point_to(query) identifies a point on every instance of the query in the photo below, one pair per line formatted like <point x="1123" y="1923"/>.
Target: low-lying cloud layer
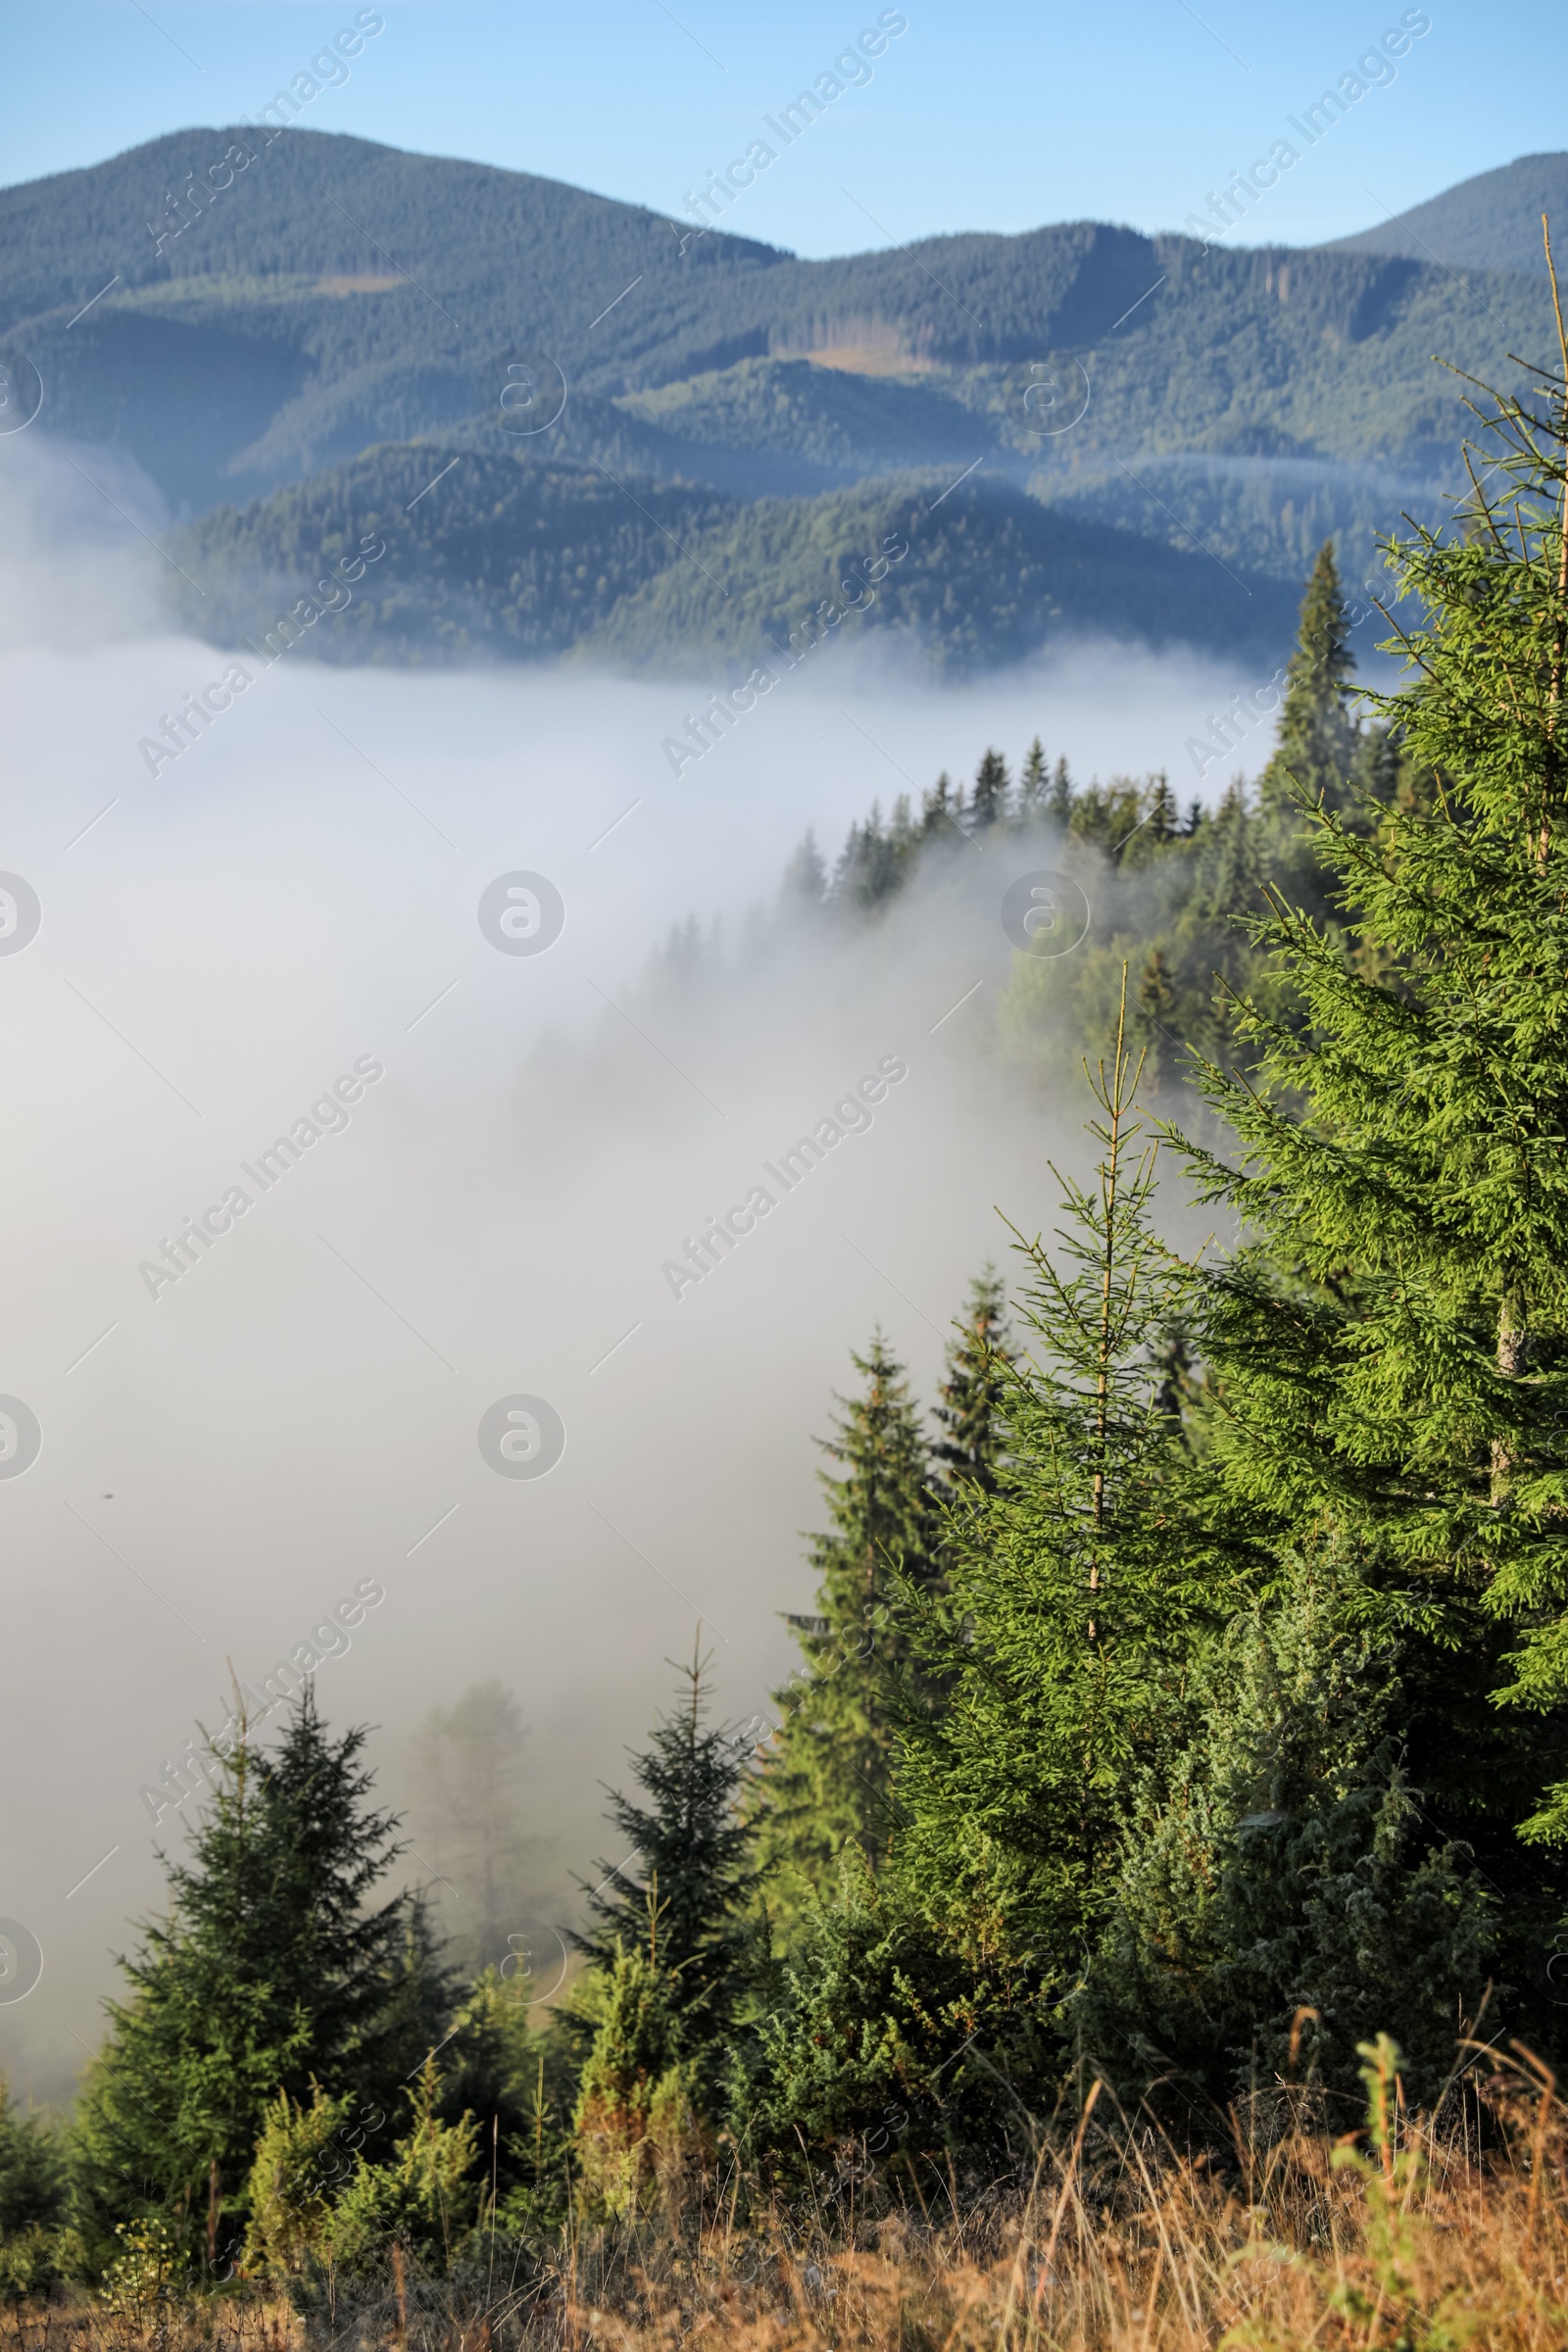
<point x="398" y="1174"/>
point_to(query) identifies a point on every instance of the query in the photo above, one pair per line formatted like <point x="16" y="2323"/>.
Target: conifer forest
<point x="1184" y="1712"/>
<point x="1136" y="1917"/>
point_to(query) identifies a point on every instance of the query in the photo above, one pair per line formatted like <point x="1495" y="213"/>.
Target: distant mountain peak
<point x="1491" y="222"/>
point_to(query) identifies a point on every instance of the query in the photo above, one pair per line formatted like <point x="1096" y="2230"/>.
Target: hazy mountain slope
<point x="1266" y="514"/>
<point x="458" y="227"/>
<point x="1491" y="222"/>
<point x="842" y="424"/>
<point x="333" y="296"/>
<point x="513" y="560"/>
<point x="287" y="293"/>
<point x="989" y="576"/>
<point x="498" y="558"/>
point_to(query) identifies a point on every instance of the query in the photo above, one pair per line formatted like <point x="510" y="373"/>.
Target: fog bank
<point x="294" y="902"/>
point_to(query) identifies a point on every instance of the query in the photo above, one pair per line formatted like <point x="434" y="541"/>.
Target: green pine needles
<point x="1059" y="1632"/>
<point x="827" y="1775"/>
<point x="1389" y="1339"/>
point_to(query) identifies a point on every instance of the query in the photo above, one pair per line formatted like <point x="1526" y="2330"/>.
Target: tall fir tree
<point x="1319" y="743"/>
<point x="1232" y="860"/>
<point x="274" y="1968"/>
<point x="805" y="883"/>
<point x="871" y="862"/>
<point x="1061" y="794"/>
<point x="826" y="1776"/>
<point x="420" y="1989"/>
<point x="967" y="1451"/>
<point x="1155" y="1012"/>
<point x="680" y="1893"/>
<point x="1391" y="1341"/>
<point x="1034" y="784"/>
<point x="470" y="1762"/>
<point x="992" y="792"/>
<point x="1074" y="1591"/>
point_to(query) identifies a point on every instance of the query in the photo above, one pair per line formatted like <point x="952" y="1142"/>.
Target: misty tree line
<point x="1184" y="1705"/>
<point x="1173" y="888"/>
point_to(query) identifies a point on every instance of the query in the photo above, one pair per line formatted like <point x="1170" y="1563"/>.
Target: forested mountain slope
<point x="241" y="312"/>
<point x="491" y="559"/>
<point x="1491" y="222"/>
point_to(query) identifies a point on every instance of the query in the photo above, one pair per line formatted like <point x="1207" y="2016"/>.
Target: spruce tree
<point x="681" y="1896"/>
<point x="970" y="1412"/>
<point x="634" y="2098"/>
<point x="33" y="2174"/>
<point x="1074" y="1591"/>
<point x="38" y="2247"/>
<point x="470" y="1761"/>
<point x="507" y="2065"/>
<point x="1279" y="1888"/>
<point x="935" y="805"/>
<point x="1033" y="785"/>
<point x="425" y="2194"/>
<point x="1319" y="742"/>
<point x="826" y="1776"/>
<point x="419" y="1990"/>
<point x="1390" y="1340"/>
<point x="272" y="1969"/>
<point x="871" y="864"/>
<point x="1233" y="857"/>
<point x="991" y="792"/>
<point x="1156" y="1012"/>
<point x="805" y="884"/>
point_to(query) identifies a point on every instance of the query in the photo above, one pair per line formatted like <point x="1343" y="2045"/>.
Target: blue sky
<point x="995" y="115"/>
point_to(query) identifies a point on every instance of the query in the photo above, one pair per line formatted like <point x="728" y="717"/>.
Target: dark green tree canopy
<point x="828" y="1774"/>
<point x="272" y="1969"/>
<point x="678" y="1892"/>
<point x="968" y="1413"/>
<point x="1319" y="742"/>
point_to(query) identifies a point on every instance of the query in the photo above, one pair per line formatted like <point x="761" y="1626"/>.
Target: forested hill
<point x="504" y="561"/>
<point x="264" y="309"/>
<point x="1491" y="222"/>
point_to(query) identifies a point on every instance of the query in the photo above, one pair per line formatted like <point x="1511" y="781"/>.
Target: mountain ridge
<point x="1491" y="220"/>
<point x="510" y="560"/>
<point x="329" y="295"/>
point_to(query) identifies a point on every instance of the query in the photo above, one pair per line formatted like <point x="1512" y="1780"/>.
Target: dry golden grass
<point x="258" y="2323"/>
<point x="1400" y="2239"/>
<point x="1408" y="2236"/>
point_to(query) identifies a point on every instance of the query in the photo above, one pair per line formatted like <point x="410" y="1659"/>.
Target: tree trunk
<point x="1513" y="1350"/>
<point x="214" y="2207"/>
